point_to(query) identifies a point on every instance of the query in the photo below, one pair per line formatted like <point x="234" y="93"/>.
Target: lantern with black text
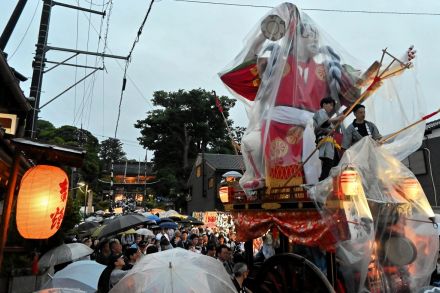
<point x="41" y="201"/>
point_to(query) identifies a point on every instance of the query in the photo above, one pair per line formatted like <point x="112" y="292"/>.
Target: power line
<point x="128" y="63"/>
<point x="317" y="9"/>
<point x="25" y="33"/>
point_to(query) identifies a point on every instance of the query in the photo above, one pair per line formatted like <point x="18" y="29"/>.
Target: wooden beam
<point x="7" y="207"/>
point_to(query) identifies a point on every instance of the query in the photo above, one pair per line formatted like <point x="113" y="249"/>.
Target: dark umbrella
<point x="163" y="220"/>
<point x="194" y="221"/>
<point x="122" y="223"/>
<point x="168" y="225"/>
<point x="86" y="226"/>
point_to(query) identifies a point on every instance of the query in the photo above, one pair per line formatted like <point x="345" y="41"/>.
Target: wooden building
<point x="205" y="179"/>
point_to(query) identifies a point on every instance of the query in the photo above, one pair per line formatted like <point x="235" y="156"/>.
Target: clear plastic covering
<point x="176" y="270"/>
<point x="390" y="242"/>
<point x="287" y="66"/>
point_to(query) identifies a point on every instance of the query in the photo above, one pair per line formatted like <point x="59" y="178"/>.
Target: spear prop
<point x="426" y="117"/>
<point x="375" y="84"/>
<point x="220" y="109"/>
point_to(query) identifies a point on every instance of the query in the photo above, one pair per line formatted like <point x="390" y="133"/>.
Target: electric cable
<point x="316" y="9"/>
<point x="25" y="33"/>
<point x="124" y="81"/>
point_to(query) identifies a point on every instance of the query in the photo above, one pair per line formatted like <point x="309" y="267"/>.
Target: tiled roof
<point x="225" y="162"/>
<point x="433" y="125"/>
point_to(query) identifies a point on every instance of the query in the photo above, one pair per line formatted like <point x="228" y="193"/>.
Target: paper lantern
<point x="411" y="188"/>
<point x="224" y="194"/>
<point x="349" y="184"/>
<point x="41" y="202"/>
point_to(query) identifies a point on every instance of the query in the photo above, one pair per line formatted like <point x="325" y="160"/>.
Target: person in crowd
<point x="359" y="128"/>
<point x="112" y="273"/>
<point x="143" y="247"/>
<point x="151" y="248"/>
<point x="183" y="243"/>
<point x="104" y="252"/>
<point x="115" y="246"/>
<point x="224" y="256"/>
<point x="323" y="124"/>
<point x="210" y="250"/>
<point x="240" y="273"/>
<point x="162" y="233"/>
<point x="132" y="255"/>
<point x="194" y="240"/>
<point x="221" y="240"/>
<point x="165" y="244"/>
<point x="192" y="247"/>
<point x="176" y="238"/>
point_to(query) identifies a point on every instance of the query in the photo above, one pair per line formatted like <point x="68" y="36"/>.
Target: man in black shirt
<point x="359" y="128"/>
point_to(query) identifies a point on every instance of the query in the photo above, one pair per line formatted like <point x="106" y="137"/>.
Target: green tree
<point x="111" y="150"/>
<point x="184" y="124"/>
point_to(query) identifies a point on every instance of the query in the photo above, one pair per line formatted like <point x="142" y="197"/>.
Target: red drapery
<point x="302" y="227"/>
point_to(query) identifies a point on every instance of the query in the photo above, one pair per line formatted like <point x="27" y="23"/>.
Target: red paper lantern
<point x="41" y="201"/>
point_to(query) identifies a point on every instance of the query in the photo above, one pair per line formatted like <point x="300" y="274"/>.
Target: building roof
<point x="433" y="125"/>
<point x="224" y="162"/>
<point x="132" y="168"/>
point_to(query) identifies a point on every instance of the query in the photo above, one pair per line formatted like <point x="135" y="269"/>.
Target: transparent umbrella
<point x="60" y="290"/>
<point x="83" y="275"/>
<point x="145" y="232"/>
<point x="176" y="270"/>
<point x="64" y="253"/>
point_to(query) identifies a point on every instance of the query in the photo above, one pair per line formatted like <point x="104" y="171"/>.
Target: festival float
<point x="368" y="227"/>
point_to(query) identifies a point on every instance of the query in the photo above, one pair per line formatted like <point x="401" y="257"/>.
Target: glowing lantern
<point x="224" y="194"/>
<point x="41" y="202"/>
<point x="411" y="188"/>
<point x="348" y="180"/>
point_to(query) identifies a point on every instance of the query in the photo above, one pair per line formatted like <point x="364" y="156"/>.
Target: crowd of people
<point x="121" y="253"/>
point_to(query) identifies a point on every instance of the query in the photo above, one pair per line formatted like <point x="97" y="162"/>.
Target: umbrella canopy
<point x="171" y="213"/>
<point x="64" y="253"/>
<point x="176" y="270"/>
<point x="168" y="225"/>
<point x="97" y="231"/>
<point x="94" y="219"/>
<point x="162" y="220"/>
<point x="86" y="226"/>
<point x="194" y="221"/>
<point x="156" y="211"/>
<point x="83" y="275"/>
<point x="129" y="231"/>
<point x="122" y="223"/>
<point x="60" y="290"/>
<point x="234" y="174"/>
<point x="145" y="232"/>
<point x="151" y="217"/>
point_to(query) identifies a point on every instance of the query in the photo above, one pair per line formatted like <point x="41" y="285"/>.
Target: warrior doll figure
<point x="284" y="73"/>
<point x="286" y="68"/>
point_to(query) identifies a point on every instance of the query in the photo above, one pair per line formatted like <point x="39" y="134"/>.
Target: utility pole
<point x="9" y="28"/>
<point x="38" y="65"/>
<point x="40" y="59"/>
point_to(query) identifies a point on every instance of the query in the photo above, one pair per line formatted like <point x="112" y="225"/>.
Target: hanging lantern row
<point x="41" y="201"/>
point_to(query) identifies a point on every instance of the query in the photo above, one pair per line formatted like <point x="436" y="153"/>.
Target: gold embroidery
<point x="278" y="148"/>
<point x="320" y="72"/>
<point x="254" y="70"/>
<point x="294" y="134"/>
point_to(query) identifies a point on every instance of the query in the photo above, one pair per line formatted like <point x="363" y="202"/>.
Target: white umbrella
<point x="176" y="270"/>
<point x="234" y="174"/>
<point x="64" y="253"/>
<point x="83" y="275"/>
<point x="145" y="232"/>
<point x="60" y="290"/>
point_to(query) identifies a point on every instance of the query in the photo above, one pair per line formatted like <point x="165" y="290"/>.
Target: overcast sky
<point x="184" y="45"/>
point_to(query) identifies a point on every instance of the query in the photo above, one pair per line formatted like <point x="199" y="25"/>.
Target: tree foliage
<point x="110" y="150"/>
<point x="184" y="124"/>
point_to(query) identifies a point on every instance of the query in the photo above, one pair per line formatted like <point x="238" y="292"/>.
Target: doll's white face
<point x="308" y="42"/>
